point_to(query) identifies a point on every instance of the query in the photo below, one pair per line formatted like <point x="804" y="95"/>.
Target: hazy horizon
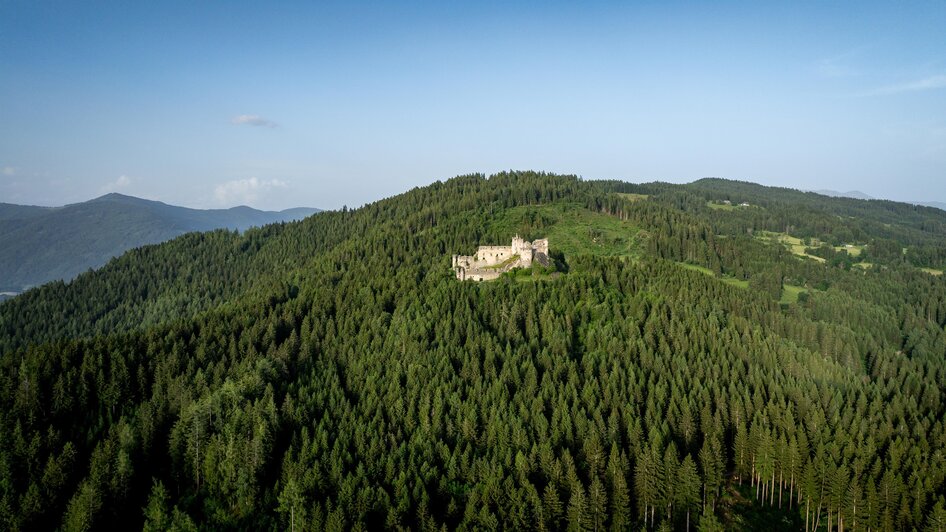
<point x="828" y="192"/>
<point x="212" y="106"/>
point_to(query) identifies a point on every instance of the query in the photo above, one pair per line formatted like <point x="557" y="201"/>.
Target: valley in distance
<point x="42" y="244"/>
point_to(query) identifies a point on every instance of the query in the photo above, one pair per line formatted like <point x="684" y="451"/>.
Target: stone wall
<point x="490" y="262"/>
<point x="489" y="255"/>
<point x="541" y="249"/>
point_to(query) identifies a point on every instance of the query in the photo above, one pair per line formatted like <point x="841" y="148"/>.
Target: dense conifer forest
<point x="688" y="362"/>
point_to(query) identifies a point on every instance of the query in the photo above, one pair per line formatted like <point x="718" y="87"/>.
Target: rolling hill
<point x="780" y="365"/>
<point x="41" y="244"/>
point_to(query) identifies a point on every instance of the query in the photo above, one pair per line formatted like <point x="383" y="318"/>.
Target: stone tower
<point x="490" y="262"/>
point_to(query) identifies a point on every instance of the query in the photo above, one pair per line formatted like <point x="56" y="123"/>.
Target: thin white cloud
<point x="9" y="171"/>
<point x="244" y="191"/>
<point x="837" y="66"/>
<point x="123" y="182"/>
<point x="925" y="84"/>
<point x="253" y="120"/>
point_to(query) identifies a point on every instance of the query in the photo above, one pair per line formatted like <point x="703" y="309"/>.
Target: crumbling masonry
<point x="490" y="262"/>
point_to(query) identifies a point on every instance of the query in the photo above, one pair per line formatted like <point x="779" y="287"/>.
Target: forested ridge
<point x="682" y="368"/>
<point x="41" y="244"/>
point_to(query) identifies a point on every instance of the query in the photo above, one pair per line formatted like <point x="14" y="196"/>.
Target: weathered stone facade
<point x="490" y="262"/>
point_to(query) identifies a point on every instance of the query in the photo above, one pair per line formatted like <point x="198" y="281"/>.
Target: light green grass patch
<point x="864" y="265"/>
<point x="732" y="281"/>
<point x="696" y="268"/>
<point x="571" y="229"/>
<point x="794" y="244"/>
<point x="932" y="271"/>
<point x="790" y="294"/>
<point x="854" y="251"/>
<point x="632" y="197"/>
<point x="720" y="206"/>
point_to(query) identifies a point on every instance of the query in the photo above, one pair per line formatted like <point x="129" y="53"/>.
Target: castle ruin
<point x="490" y="262"/>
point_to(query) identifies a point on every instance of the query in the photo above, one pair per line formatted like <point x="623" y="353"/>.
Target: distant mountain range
<point x="857" y="194"/>
<point x="936" y="204"/>
<point x="42" y="244"/>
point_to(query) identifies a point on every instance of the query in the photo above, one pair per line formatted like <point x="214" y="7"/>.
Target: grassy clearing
<point x="864" y="265"/>
<point x="793" y="244"/>
<point x="790" y="294"/>
<point x="720" y="206"/>
<point x="853" y="250"/>
<point x="632" y="197"/>
<point x="797" y="247"/>
<point x="696" y="268"/>
<point x="739" y="283"/>
<point x="571" y="229"/>
<point x="932" y="271"/>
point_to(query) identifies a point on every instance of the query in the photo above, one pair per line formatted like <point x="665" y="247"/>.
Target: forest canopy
<point x="688" y="366"/>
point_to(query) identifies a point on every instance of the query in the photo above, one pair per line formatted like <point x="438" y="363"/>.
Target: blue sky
<point x="215" y="104"/>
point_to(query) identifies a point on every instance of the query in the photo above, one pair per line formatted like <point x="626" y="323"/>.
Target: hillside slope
<point x="683" y="366"/>
<point x="40" y="244"/>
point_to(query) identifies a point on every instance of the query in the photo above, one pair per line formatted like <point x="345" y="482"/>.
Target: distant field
<point x="854" y="250"/>
<point x="633" y="197"/>
<point x="797" y="247"/>
<point x="739" y="283"/>
<point x="571" y="229"/>
<point x="720" y="206"/>
<point x="932" y="271"/>
<point x="794" y="244"/>
<point x="789" y="292"/>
